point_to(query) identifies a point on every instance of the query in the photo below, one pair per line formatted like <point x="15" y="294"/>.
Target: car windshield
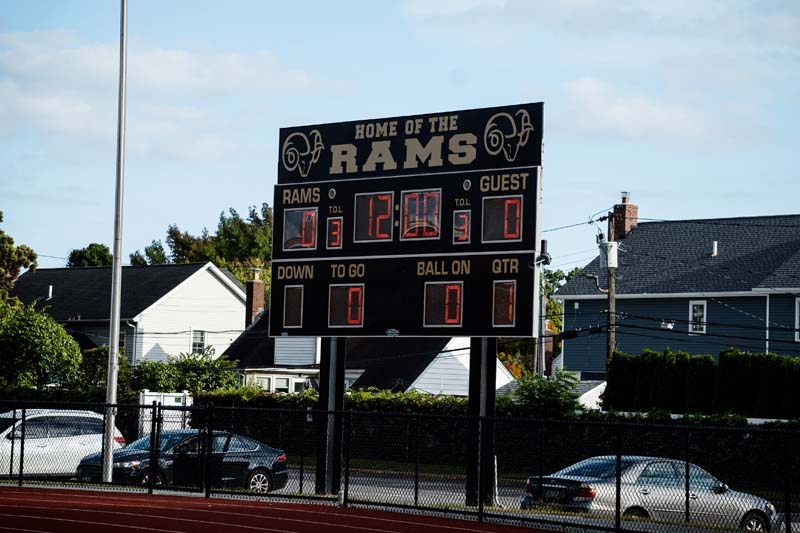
<point x="601" y="468"/>
<point x="166" y="442"/>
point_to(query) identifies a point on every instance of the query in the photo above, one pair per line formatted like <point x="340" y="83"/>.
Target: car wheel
<point x="636" y="513"/>
<point x="259" y="481"/>
<point x="755" y="521"/>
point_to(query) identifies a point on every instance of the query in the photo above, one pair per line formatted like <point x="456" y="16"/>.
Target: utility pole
<point x="611" y="265"/>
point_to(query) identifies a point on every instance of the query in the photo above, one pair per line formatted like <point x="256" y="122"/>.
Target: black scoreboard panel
<point x="486" y="295"/>
<point x="431" y="214"/>
<point x="412" y="226"/>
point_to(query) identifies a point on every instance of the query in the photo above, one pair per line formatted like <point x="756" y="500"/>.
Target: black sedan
<point x="236" y="461"/>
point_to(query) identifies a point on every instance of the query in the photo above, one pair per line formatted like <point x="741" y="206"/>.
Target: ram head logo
<point x="502" y="133"/>
<point x="300" y="153"/>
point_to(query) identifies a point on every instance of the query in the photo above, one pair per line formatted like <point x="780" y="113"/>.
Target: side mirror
<point x="721" y="488"/>
<point x="14" y="435"/>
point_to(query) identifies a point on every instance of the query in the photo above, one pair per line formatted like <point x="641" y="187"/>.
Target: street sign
<point x="409" y="226"/>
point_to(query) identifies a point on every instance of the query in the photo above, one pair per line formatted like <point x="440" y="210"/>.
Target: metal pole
<point x="333" y="388"/>
<point x="612" y="300"/>
<point x="116" y="271"/>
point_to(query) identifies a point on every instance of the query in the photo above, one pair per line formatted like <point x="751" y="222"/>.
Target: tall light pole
<point x="116" y="270"/>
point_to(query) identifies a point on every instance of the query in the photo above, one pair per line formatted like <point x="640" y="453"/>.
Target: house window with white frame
<point x="697" y="317"/>
<point x="282" y="385"/>
<point x="198" y="341"/>
<point x="265" y="383"/>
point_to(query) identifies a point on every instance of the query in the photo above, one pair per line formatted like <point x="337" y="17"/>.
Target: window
<point x="35" y="428"/>
<point x="240" y="444"/>
<point x="699" y="478"/>
<point x="697" y="316"/>
<point x="797" y="320"/>
<point x="661" y="474"/>
<point x="300" y="386"/>
<point x="282" y="385"/>
<point x="198" y="341"/>
<point x="264" y="383"/>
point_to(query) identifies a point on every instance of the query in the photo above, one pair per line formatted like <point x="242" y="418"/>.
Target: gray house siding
<point x="731" y="322"/>
<point x="783" y="320"/>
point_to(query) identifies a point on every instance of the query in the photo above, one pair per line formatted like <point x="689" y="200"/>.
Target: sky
<point x="690" y="105"/>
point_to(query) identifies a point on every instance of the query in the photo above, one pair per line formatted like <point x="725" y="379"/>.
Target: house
<point x="698" y="286"/>
<point x="165" y="309"/>
<point x="291" y="364"/>
<point x="282" y="364"/>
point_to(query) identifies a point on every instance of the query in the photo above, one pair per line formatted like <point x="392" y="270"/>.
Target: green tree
<point x="240" y="245"/>
<point x="553" y="397"/>
<point x="35" y="350"/>
<point x="13" y="259"/>
<point x="94" y="371"/>
<point x="154" y="254"/>
<point x="94" y="255"/>
<point x="203" y="372"/>
<point x="157" y="376"/>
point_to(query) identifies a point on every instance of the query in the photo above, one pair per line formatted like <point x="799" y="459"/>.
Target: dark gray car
<point x="651" y="487"/>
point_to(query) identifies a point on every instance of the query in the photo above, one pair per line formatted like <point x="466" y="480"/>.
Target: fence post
<point x="348" y="420"/>
<point x="303" y="440"/>
<point x="481" y="487"/>
<point x="209" y="448"/>
<point x="787" y="476"/>
<point x="686" y="476"/>
<point x="13" y="443"/>
<point x="152" y="467"/>
<point x="415" y="423"/>
<point x="22" y="447"/>
<point x="618" y="475"/>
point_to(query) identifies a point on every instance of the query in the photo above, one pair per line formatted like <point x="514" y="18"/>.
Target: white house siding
<point x="294" y="351"/>
<point x="202" y="302"/>
<point x="448" y="373"/>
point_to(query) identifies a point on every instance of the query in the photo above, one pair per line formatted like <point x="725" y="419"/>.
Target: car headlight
<point x="770" y="508"/>
<point x="128" y="464"/>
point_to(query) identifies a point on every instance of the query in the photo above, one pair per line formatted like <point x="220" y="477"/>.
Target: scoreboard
<point x="410" y="226"/>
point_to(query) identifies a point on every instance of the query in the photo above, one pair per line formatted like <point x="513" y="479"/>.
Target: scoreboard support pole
<point x="481" y="410"/>
<point x="331" y="400"/>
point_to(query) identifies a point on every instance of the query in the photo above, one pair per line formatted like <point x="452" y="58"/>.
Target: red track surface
<point x="80" y="511"/>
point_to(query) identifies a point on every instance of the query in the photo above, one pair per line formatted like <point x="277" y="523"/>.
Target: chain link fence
<point x="567" y="475"/>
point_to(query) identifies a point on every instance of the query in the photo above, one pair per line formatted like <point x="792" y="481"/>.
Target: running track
<point x="36" y="510"/>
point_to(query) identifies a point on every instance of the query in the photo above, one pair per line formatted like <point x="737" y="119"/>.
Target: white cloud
<point x="597" y="106"/>
<point x="57" y="82"/>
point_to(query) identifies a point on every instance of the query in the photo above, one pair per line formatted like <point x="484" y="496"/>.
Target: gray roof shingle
<point x="85" y="293"/>
<point x="675" y="257"/>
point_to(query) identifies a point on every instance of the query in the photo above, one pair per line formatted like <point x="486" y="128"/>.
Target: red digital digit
<point x="431" y="203"/>
<point x="335" y="232"/>
<point x="461" y="227"/>
<point x="410" y="230"/>
<point x="308" y="227"/>
<point x="387" y="198"/>
<point x="354" y="301"/>
<point x="511" y="223"/>
<point x="452" y="309"/>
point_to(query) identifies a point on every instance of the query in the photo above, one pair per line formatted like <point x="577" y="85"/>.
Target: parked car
<point x="236" y="461"/>
<point x="55" y="441"/>
<point x="651" y="488"/>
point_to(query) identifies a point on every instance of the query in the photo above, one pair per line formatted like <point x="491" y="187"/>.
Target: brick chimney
<point x="254" y="299"/>
<point x="626" y="217"/>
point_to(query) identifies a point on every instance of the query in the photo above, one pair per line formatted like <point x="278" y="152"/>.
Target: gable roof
<point x="391" y="363"/>
<point x="754" y="253"/>
<point x="253" y="348"/>
<point x="85" y="293"/>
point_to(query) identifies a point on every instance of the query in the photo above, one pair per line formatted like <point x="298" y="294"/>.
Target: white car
<point x="55" y="441"/>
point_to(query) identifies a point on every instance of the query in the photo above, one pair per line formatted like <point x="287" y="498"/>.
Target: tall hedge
<point x="755" y="385"/>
